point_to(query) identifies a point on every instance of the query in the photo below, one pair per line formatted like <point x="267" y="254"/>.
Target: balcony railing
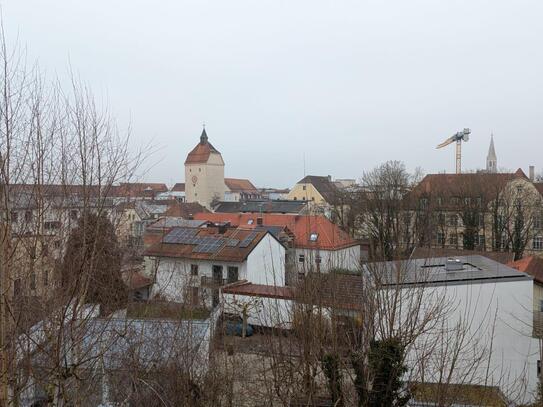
<point x="212" y="282"/>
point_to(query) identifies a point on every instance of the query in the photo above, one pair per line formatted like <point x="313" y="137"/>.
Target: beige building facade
<point x="204" y="174"/>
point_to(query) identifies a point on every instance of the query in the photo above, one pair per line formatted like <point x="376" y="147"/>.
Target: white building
<point x="482" y="322"/>
<point x="188" y="265"/>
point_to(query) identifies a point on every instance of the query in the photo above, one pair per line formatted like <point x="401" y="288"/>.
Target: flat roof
<point x="475" y="268"/>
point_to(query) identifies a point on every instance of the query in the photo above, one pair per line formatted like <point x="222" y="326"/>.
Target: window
<point x="295" y="198"/>
<point x="482" y="240"/>
<point x="455" y="200"/>
<point x="74" y="214"/>
<point x="318" y="259"/>
<point x="539" y="368"/>
<point x="193" y="269"/>
<point x="453" y="220"/>
<point x="45" y="277"/>
<point x="28" y="216"/>
<point x="541" y="305"/>
<point x="439" y="201"/>
<point x="250" y="221"/>
<point x="33" y="280"/>
<point x="441" y="218"/>
<point x="453" y="239"/>
<point x="313" y="237"/>
<point x="194" y="296"/>
<point x="440" y="238"/>
<point x="519" y="189"/>
<point x="54" y="225"/>
<point x="301" y="258"/>
<point x="467" y="201"/>
<point x="537" y="243"/>
<point x="423" y="203"/>
<point x="479" y="202"/>
<point x="14" y="217"/>
<point x="303" y="187"/>
<point x="232" y="275"/>
<point x="538" y="222"/>
<point x="17" y="287"/>
<point x="481" y="219"/>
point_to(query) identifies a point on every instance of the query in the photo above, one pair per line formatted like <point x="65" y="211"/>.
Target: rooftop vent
<point x="454" y="265"/>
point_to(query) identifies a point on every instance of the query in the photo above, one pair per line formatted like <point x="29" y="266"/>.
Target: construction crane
<point x="458" y="137"/>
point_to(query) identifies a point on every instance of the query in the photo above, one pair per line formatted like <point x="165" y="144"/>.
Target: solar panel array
<point x="206" y="244"/>
<point x="180" y="235"/>
<point x="248" y="240"/>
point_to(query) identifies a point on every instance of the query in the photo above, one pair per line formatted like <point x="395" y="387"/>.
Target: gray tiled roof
<point x="262" y="206"/>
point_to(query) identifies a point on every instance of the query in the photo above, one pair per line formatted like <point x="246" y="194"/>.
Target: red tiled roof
<point x="137" y="189"/>
<point x="184" y="210"/>
<point x="200" y="154"/>
<point x="539" y="187"/>
<point x="179" y="187"/>
<point x="224" y="253"/>
<point x="459" y="184"/>
<point x="135" y="280"/>
<point x="259" y="290"/>
<point x="239" y="185"/>
<point x="532" y="265"/>
<point x="330" y="236"/>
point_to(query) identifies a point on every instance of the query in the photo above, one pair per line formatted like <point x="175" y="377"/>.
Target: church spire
<point x="203" y="137"/>
<point x="491" y="158"/>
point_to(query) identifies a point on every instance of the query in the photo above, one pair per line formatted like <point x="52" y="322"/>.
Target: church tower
<point x="491" y="159"/>
<point x="204" y="173"/>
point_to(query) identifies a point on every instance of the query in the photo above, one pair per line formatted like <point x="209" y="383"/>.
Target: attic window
<point x="313" y="237"/>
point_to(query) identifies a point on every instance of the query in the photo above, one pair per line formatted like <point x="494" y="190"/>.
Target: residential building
<point x="175" y="192"/>
<point x="316" y="189"/>
<point x="478" y="211"/>
<point x="274" y="194"/>
<point x="188" y="265"/>
<point x="316" y="244"/>
<point x="240" y="190"/>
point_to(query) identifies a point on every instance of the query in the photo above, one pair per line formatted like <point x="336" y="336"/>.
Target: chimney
<point x="532" y="173"/>
<point x="453" y="265"/>
<point x="223" y="227"/>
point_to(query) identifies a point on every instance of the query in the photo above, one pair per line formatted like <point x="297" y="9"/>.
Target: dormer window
<point x="313" y="237"/>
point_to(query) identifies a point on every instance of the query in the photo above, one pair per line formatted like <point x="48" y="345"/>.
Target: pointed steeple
<point x="491" y="158"/>
<point x="203" y="137"/>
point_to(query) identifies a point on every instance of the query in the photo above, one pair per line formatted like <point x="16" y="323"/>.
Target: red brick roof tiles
<point x="330" y="236"/>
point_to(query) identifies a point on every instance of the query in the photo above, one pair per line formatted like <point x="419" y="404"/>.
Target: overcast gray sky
<point x="348" y="84"/>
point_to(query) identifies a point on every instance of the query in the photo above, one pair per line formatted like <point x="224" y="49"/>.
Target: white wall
<point x="262" y="311"/>
<point x="266" y="263"/>
<point x="173" y="276"/>
<point x="347" y="258"/>
<point x="497" y="320"/>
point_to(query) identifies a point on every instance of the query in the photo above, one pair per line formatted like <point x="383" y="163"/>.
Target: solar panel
<point x="180" y="235"/>
<point x="248" y="240"/>
<point x="232" y="242"/>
